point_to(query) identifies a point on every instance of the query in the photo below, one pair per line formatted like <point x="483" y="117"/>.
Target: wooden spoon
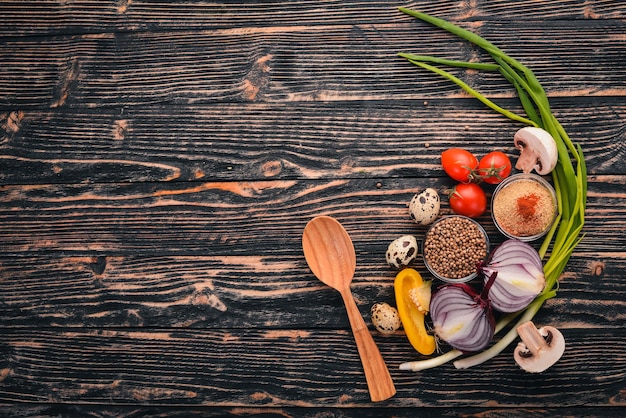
<point x="330" y="255"/>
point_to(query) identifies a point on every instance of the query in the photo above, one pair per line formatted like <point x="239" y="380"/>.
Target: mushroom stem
<point x="538" y="150"/>
<point x="527" y="160"/>
<point x="539" y="349"/>
<point x="532" y="338"/>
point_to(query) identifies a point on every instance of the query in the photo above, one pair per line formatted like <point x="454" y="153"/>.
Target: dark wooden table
<point x="159" y="161"/>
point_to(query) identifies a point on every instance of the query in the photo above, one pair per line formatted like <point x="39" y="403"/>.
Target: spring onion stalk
<point x="452" y="63"/>
<point x="570" y="183"/>
<point x="419" y="365"/>
<point x="416" y="366"/>
<point x="473" y="92"/>
<point x="508" y="338"/>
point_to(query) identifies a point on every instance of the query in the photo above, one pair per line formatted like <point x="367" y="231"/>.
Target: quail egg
<point x="385" y="318"/>
<point x="402" y="251"/>
<point x="424" y="206"/>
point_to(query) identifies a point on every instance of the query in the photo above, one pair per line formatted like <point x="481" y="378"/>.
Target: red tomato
<point x="494" y="167"/>
<point x="468" y="199"/>
<point x="459" y="164"/>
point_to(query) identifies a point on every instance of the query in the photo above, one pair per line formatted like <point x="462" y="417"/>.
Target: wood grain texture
<point x="33" y="410"/>
<point x="332" y="63"/>
<point x="55" y="17"/>
<point x="280" y="368"/>
<point x="238" y="218"/>
<point x="160" y="159"/>
<point x="250" y="292"/>
<point x="372" y="139"/>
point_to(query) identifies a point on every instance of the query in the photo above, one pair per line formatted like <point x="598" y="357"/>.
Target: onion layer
<point x="519" y="275"/>
<point x="462" y="318"/>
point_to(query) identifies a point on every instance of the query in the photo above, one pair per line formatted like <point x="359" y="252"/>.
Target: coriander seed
<point x="453" y="248"/>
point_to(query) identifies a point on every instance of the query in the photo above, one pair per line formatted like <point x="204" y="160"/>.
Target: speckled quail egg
<point x="402" y="251"/>
<point x="424" y="206"/>
<point x="385" y="318"/>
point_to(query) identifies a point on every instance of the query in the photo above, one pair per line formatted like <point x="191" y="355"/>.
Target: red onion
<point x="519" y="275"/>
<point x="462" y="317"/>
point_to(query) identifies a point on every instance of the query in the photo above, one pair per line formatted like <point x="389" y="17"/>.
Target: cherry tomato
<point x="468" y="199"/>
<point x="494" y="167"/>
<point x="459" y="164"/>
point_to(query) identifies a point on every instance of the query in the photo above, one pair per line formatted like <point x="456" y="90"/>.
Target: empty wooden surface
<point x="160" y="160"/>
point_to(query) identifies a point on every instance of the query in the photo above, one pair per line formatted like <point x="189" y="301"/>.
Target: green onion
<point x="452" y="63"/>
<point x="570" y="183"/>
<point x="473" y="92"/>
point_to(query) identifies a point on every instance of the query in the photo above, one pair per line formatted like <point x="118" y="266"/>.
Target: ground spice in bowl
<point x="453" y="247"/>
<point x="524" y="207"/>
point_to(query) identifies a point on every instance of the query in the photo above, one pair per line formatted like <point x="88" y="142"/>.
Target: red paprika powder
<point x="526" y="205"/>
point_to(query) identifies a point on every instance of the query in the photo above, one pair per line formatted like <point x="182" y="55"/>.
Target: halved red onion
<point x="462" y="317"/>
<point x="519" y="275"/>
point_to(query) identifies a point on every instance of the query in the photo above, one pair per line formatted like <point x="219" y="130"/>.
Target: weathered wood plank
<point x="299" y="64"/>
<point x="251" y="292"/>
<point x="54" y="17"/>
<point x="305" y="141"/>
<point x="38" y="410"/>
<point x="282" y="368"/>
<point x="159" y="160"/>
<point x="239" y="218"/>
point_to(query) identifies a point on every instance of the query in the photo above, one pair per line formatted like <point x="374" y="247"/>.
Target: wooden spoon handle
<point x="377" y="375"/>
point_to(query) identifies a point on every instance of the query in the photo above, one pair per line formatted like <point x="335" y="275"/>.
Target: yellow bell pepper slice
<point x="407" y="285"/>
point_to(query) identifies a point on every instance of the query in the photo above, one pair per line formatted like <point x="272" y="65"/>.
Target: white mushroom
<point x="538" y="150"/>
<point x="539" y="349"/>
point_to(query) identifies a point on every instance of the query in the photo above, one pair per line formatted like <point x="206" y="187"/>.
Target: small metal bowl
<point x="524" y="207"/>
<point x="454" y="249"/>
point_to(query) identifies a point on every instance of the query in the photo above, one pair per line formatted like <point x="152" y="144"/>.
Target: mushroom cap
<point x="539" y="349"/>
<point x="538" y="150"/>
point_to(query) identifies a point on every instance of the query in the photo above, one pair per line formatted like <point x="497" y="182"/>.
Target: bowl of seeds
<point x="453" y="247"/>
